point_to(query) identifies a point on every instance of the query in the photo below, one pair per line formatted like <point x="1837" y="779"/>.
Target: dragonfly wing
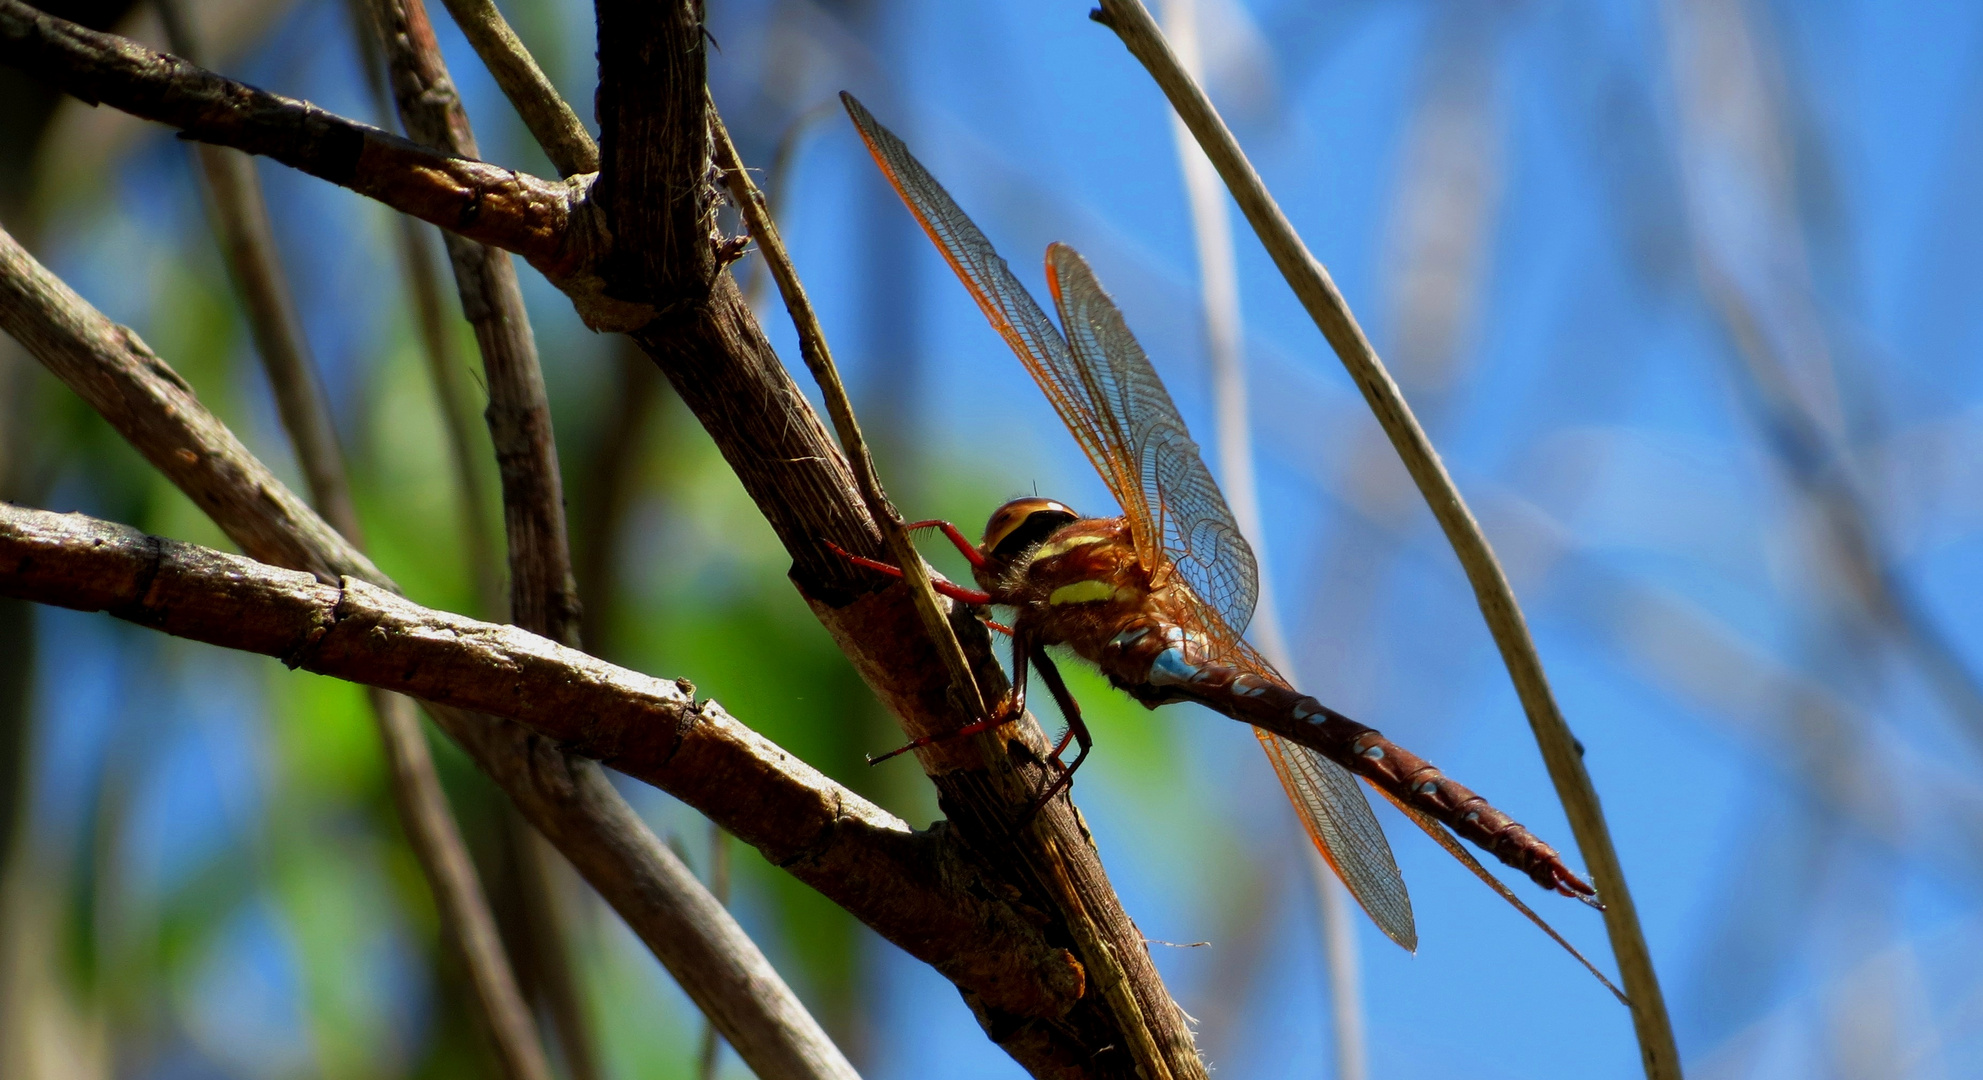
<point x="1338" y="818"/>
<point x="1183" y="515"/>
<point x="1005" y="302"/>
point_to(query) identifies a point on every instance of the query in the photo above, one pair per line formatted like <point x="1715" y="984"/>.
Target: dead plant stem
<point x="1325" y="304"/>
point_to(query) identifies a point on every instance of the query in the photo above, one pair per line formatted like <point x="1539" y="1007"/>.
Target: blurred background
<point x="1685" y="291"/>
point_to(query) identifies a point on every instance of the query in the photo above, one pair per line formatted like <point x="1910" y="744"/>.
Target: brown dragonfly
<point x="1157" y="597"/>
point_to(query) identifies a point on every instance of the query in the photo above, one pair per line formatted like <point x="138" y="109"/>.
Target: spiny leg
<point x="1077" y="731"/>
<point x="973" y="597"/>
<point x="1010" y="709"/>
<point x="971" y="553"/>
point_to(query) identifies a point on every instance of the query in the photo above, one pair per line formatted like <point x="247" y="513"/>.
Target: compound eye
<point x="1023" y="523"/>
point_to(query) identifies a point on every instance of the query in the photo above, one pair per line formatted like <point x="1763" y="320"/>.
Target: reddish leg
<point x="1010" y="709"/>
<point x="971" y="553"/>
<point x="959" y="593"/>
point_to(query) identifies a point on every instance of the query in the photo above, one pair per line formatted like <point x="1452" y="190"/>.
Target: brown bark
<point x="656" y="198"/>
<point x="915" y="888"/>
<point x="156" y="411"/>
<point x="489" y="203"/>
<point x="662" y="275"/>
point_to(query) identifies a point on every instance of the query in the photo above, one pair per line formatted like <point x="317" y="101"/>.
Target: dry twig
<point x="241" y="218"/>
<point x="1325" y="304"/>
<point x="578" y="811"/>
<point x="638" y="250"/>
<point x="550" y="119"/>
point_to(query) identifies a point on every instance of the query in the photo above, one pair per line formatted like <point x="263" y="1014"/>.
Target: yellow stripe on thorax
<point x="1082" y="592"/>
<point x="1062" y="547"/>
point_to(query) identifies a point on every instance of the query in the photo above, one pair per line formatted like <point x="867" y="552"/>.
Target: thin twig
<point x="241" y="218"/>
<point x="415" y="243"/>
<point x="1325" y="304"/>
<point x="759" y="792"/>
<point x="550" y="119"/>
<point x="444" y="369"/>
<point x="819" y="361"/>
<point x="247" y="241"/>
<point x="1045" y="856"/>
<point x="708" y="1056"/>
<point x="776" y="182"/>
<point x="1233" y="435"/>
<point x="543" y="596"/>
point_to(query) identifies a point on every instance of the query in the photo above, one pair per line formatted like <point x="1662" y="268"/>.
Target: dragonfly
<point x="1158" y="596"/>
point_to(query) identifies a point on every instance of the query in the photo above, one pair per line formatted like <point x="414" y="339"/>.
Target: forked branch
<point x="920" y="895"/>
<point x="488" y="203"/>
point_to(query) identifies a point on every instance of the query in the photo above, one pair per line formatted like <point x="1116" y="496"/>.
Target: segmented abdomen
<point x="1174" y="673"/>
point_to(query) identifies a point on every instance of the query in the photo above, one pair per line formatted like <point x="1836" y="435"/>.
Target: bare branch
<point x="550" y="119"/>
<point x="543" y="593"/>
<point x="655" y="200"/>
<point x="241" y="218"/>
<point x="926" y="896"/>
<point x="819" y="360"/>
<point x="543" y="596"/>
<point x="1325" y="304"/>
<point x="487" y="203"/>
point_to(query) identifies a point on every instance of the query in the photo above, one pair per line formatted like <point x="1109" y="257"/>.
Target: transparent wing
<point x="1177" y="501"/>
<point x="1338" y="818"/>
<point x="1102" y="385"/>
<point x="1006" y="303"/>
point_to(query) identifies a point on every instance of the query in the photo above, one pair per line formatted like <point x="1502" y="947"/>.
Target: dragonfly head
<point x="1023" y="523"/>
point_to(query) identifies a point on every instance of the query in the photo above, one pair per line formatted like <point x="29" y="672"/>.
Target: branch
<point x="543" y="596"/>
<point x="1331" y="313"/>
<point x="660" y="278"/>
<point x="550" y="119"/>
<point x="654" y="196"/>
<point x="241" y="219"/>
<point x="931" y="902"/>
<point x="487" y="203"/>
<point x="543" y="593"/>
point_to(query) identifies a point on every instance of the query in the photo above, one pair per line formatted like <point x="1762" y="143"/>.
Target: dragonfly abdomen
<point x="1273" y="705"/>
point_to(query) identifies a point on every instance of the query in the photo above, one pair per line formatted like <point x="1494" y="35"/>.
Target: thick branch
<point x="655" y="195"/>
<point x="651" y="729"/>
<point x="933" y="906"/>
<point x="488" y="203"/>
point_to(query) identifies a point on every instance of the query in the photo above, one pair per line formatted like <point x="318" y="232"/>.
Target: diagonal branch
<point x="1496" y="597"/>
<point x="1104" y="964"/>
<point x="656" y="201"/>
<point x="241" y="218"/>
<point x="543" y="593"/>
<point x="550" y="119"/>
<point x="488" y="203"/>
<point x="931" y="900"/>
<point x="650" y="728"/>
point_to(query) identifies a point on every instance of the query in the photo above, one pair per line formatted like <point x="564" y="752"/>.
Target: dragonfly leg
<point x="962" y="595"/>
<point x="964" y="546"/>
<point x="1007" y="710"/>
<point x="1077" y="731"/>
